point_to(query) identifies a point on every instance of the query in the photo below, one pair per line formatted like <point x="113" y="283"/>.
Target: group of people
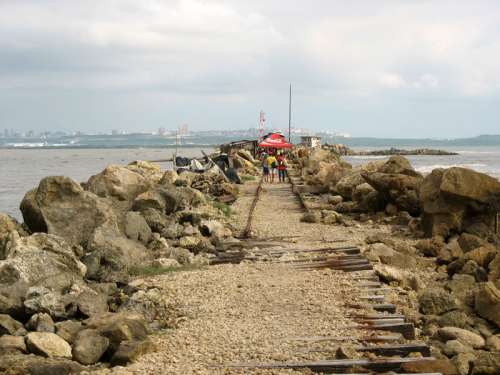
<point x="272" y="162"/>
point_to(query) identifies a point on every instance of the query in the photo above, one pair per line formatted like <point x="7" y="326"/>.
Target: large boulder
<point x="18" y="363"/>
<point x="8" y="325"/>
<point x="324" y="169"/>
<point x="60" y="206"/>
<point x="463" y="335"/>
<point x="436" y="302"/>
<point x="399" y="189"/>
<point x="457" y="197"/>
<point x="119" y="327"/>
<point x="118" y="182"/>
<point x="487" y="302"/>
<point x="150" y="171"/>
<point x="43" y="260"/>
<point x="398" y="164"/>
<point x="168" y="199"/>
<point x="48" y="345"/>
<point x="89" y="346"/>
<point x="486" y="363"/>
<point x="136" y="227"/>
<point x="346" y="185"/>
<point x="111" y="255"/>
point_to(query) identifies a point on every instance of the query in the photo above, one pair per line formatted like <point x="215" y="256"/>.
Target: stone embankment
<point x="69" y="297"/>
<point x="343" y="150"/>
<point x="443" y="248"/>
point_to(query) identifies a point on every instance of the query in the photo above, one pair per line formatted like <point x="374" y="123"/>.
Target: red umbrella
<point x="275" y="140"/>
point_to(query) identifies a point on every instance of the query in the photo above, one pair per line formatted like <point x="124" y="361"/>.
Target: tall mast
<point x="290" y="116"/>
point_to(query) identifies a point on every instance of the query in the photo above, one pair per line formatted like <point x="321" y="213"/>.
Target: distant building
<point x="310" y="141"/>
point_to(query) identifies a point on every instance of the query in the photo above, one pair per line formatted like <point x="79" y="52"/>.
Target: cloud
<point x="244" y="54"/>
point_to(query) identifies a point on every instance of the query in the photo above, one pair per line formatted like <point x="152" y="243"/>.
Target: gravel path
<point x="254" y="312"/>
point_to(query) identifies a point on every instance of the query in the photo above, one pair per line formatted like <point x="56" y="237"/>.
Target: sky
<point x="385" y="68"/>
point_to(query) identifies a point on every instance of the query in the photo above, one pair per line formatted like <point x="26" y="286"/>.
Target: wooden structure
<point x="232" y="147"/>
<point x="310" y="141"/>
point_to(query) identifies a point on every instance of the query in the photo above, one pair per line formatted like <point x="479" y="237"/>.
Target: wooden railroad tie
<point x="331" y="366"/>
<point x="383" y="350"/>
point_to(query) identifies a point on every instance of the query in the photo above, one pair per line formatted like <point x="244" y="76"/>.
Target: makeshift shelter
<point x="275" y="140"/>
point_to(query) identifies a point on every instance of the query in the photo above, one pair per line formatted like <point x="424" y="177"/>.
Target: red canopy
<point x="275" y="140"/>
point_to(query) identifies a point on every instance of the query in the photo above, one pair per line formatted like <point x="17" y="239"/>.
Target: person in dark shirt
<point x="282" y="167"/>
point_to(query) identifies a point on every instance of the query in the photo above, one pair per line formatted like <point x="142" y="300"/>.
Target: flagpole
<point x="290" y="116"/>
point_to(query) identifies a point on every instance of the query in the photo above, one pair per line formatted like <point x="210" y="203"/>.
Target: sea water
<point x="22" y="169"/>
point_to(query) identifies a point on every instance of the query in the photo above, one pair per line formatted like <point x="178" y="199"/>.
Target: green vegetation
<point x="155" y="270"/>
<point x="223" y="207"/>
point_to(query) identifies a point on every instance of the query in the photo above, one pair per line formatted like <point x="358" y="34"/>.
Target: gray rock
<point x="8" y="325"/>
<point x="9" y="227"/>
<point x="41" y="322"/>
<point x="430" y="247"/>
<point x="42" y="254"/>
<point x="310" y="217"/>
<point x="463" y="335"/>
<point x="470" y="242"/>
<point x="462" y="288"/>
<point x="390" y="274"/>
<point x="487" y="302"/>
<point x="455" y="318"/>
<point x="114" y="254"/>
<point x="464" y="362"/>
<point x="151" y="199"/>
<point x="47" y="344"/>
<point x="348" y="183"/>
<point x="11" y="299"/>
<point x="451" y="196"/>
<point x="136" y="227"/>
<point x="60" y="206"/>
<point x="183" y="256"/>
<point x="90" y="302"/>
<point x="454" y="347"/>
<point x="155" y="219"/>
<point x="493" y="343"/>
<point x="17" y="363"/>
<point x="10" y="343"/>
<point x="68" y="329"/>
<point x="436" y="302"/>
<point x="89" y="346"/>
<point x="172" y="231"/>
<point x="486" y="363"/>
<point x="119" y="327"/>
<point x="335" y="199"/>
<point x="129" y="351"/>
<point x="118" y="182"/>
<point x="41" y="299"/>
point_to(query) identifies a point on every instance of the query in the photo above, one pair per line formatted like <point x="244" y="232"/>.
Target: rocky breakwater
<point x="436" y="243"/>
<point x="69" y="292"/>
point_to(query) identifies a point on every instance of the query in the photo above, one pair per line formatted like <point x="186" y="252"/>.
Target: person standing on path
<point x="272" y="164"/>
<point x="282" y="167"/>
<point x="265" y="167"/>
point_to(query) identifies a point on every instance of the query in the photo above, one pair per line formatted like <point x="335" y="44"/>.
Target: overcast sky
<point x="408" y="68"/>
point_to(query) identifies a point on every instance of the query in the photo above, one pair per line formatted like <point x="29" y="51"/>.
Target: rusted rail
<point x="247" y="233"/>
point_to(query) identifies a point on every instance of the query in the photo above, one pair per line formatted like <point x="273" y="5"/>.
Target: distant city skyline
<point x="387" y="68"/>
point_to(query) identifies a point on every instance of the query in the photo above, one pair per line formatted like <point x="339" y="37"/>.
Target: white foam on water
<point x="430" y="168"/>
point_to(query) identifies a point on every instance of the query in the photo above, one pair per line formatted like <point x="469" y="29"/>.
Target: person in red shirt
<point x="282" y="167"/>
